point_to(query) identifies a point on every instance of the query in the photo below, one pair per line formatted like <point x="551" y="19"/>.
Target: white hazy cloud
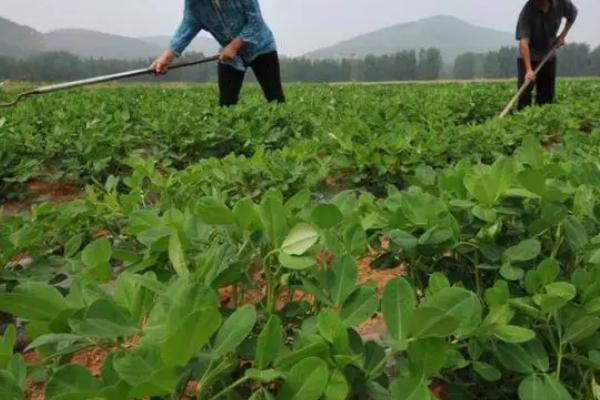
<point x="300" y="25"/>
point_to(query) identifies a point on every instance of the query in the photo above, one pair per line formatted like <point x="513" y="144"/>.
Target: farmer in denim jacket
<point x="246" y="39"/>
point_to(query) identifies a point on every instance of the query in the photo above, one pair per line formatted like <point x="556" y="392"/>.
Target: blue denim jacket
<point x="226" y="20"/>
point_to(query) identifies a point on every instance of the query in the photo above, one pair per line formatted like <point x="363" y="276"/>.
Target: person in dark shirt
<point x="537" y="33"/>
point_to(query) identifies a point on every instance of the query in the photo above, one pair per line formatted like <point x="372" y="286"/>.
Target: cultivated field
<point x="359" y="242"/>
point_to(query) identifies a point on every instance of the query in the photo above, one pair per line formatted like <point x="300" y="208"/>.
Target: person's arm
<point x="571" y="13"/>
<point x="524" y="37"/>
<point x="248" y="33"/>
<point x="187" y="31"/>
<point x="525" y="54"/>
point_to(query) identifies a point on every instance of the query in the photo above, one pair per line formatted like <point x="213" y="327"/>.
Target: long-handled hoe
<point x="527" y="83"/>
<point x="101" y="79"/>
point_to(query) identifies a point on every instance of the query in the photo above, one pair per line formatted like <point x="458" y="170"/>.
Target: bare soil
<point x="41" y="191"/>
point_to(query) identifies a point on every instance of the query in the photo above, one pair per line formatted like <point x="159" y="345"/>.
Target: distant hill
<point x="449" y="34"/>
<point x="201" y="44"/>
<point x="88" y="44"/>
<point x="21" y="41"/>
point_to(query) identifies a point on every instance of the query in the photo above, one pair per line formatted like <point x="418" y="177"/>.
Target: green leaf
<point x="558" y="294"/>
<point x="33" y="301"/>
<point x="534" y="181"/>
<point x="96" y="256"/>
<point x="326" y="216"/>
<point x="307" y="380"/>
<point x="514" y="357"/>
<point x="535" y="387"/>
<point x="511" y="273"/>
<point x="397" y="304"/>
<point x="497" y="295"/>
<point x="246" y="214"/>
<point x="295" y="263"/>
<point x="475" y="349"/>
<point x="273" y="217"/>
<point x="548" y="270"/>
<point x="532" y="388"/>
<point x="537" y="354"/>
<point x="487" y="184"/>
<point x="72" y="382"/>
<point x="269" y="342"/>
<point x="360" y="306"/>
<point x="437" y="282"/>
<point x="7" y="344"/>
<point x="139" y="365"/>
<point x="103" y="319"/>
<point x="405" y="240"/>
<point x="556" y="391"/>
<point x="462" y="305"/>
<point x="584" y="202"/>
<point x="318" y="348"/>
<point x="262" y="394"/>
<point x="332" y="328"/>
<point x="300" y="239"/>
<point x="189" y="336"/>
<point x="73" y="245"/>
<point x="427" y="357"/>
<point x="427" y="322"/>
<point x="575" y="233"/>
<point x="484" y="213"/>
<point x="264" y="376"/>
<point x="54" y="338"/>
<point x="145" y="371"/>
<point x="177" y="256"/>
<point x="355" y="239"/>
<point x="410" y="388"/>
<point x="581" y="329"/>
<point x="531" y="152"/>
<point x="97" y="252"/>
<point x="235" y="329"/>
<point x="338" y="387"/>
<point x="345" y="274"/>
<point x="502" y="175"/>
<point x="524" y="251"/>
<point x="214" y="212"/>
<point x="9" y="387"/>
<point x="436" y="236"/>
<point x="513" y="334"/>
<point x="487" y="371"/>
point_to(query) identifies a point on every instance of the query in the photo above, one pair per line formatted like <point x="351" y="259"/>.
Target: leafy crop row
<point x="501" y="248"/>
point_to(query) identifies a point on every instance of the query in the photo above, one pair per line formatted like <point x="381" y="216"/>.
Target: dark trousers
<point x="267" y="71"/>
<point x="545" y="84"/>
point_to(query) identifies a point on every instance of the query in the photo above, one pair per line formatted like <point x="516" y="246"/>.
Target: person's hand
<point x="561" y="41"/>
<point x="530" y="75"/>
<point x="232" y="50"/>
<point x="161" y="64"/>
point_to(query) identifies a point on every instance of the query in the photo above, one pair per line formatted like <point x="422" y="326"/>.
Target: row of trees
<point x="426" y="64"/>
<point x="576" y="59"/>
<point x="409" y="65"/>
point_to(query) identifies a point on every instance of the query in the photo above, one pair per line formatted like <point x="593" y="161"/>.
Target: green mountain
<point x="92" y="44"/>
<point x="19" y="40"/>
<point x="449" y="34"/>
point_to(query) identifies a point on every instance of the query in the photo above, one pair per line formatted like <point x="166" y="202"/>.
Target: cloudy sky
<point x="300" y="25"/>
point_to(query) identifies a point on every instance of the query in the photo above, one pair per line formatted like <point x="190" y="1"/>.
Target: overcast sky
<point x="299" y="25"/>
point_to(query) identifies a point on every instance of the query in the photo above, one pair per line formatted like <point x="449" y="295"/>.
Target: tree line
<point x="425" y="64"/>
<point x="575" y="59"/>
<point x="410" y="65"/>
